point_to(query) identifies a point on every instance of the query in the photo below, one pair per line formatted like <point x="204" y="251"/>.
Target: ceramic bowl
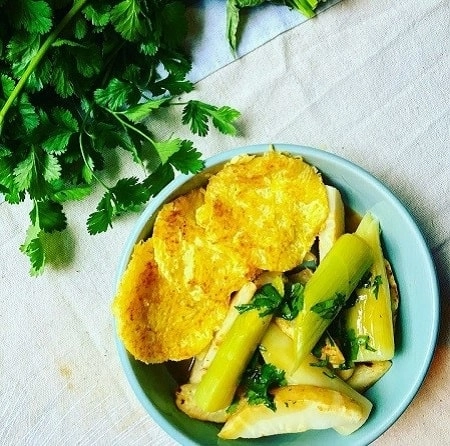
<point x="417" y="326"/>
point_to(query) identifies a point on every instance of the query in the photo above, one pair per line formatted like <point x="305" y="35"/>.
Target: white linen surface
<point x="366" y="80"/>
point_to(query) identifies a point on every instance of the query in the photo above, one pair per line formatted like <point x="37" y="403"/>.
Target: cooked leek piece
<point x="366" y="374"/>
<point x="393" y="288"/>
<point x="298" y="409"/>
<point x="217" y="387"/>
<point x="334" y="224"/>
<point x="369" y="321"/>
<point x="278" y="349"/>
<point x="203" y="360"/>
<point x="328" y="289"/>
<point x="185" y="401"/>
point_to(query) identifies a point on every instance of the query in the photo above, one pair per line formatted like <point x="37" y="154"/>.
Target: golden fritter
<point x="269" y="208"/>
<point x="192" y="261"/>
<point x="156" y="322"/>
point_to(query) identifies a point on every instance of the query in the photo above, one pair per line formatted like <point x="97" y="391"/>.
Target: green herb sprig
<point x="234" y="8"/>
<point x="80" y="81"/>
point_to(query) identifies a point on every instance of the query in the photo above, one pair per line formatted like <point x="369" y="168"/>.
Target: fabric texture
<point x="369" y="81"/>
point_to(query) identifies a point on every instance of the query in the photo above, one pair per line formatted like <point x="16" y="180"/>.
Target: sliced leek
<point x="369" y="321"/>
<point x="204" y="360"/>
<point x="328" y="289"/>
<point x="335" y="223"/>
<point x="217" y="387"/>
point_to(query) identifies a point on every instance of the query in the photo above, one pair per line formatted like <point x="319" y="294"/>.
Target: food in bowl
<point x="253" y="276"/>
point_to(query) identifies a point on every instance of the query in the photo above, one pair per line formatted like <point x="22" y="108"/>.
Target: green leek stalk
<point x="218" y="385"/>
<point x="328" y="289"/>
<point x="370" y="319"/>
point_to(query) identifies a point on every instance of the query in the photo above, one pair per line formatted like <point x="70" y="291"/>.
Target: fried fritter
<point x="190" y="259"/>
<point x="269" y="208"/>
<point x="156" y="322"/>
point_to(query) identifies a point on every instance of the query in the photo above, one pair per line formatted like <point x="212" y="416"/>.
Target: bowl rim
<point x="297" y="150"/>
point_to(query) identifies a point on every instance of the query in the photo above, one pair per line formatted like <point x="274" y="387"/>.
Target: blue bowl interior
<point x="417" y="326"/>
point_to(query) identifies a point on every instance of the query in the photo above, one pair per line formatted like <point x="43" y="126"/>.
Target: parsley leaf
<point x="159" y="178"/>
<point x="233" y="9"/>
<point x="125" y="17"/>
<point x="141" y="111"/>
<point x="352" y="343"/>
<point x="292" y="302"/>
<point x="101" y="219"/>
<point x="115" y="95"/>
<point x="167" y="148"/>
<point x="329" y="308"/>
<point x="259" y="379"/>
<point x="197" y="115"/>
<point x="64" y="125"/>
<point x="187" y="159"/>
<point x="127" y="195"/>
<point x="377" y="282"/>
<point x="34" y="249"/>
<point x="266" y="300"/>
<point x="71" y="193"/>
<point x="32" y="16"/>
<point x="48" y="215"/>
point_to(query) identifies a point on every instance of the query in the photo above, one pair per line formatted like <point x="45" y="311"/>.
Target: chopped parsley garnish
<point x="266" y="300"/>
<point x="259" y="379"/>
<point x="292" y="302"/>
<point x="377" y="281"/>
<point x="329" y="308"/>
<point x="308" y="264"/>
<point x="368" y="281"/>
<point x="365" y="281"/>
<point x="352" y="344"/>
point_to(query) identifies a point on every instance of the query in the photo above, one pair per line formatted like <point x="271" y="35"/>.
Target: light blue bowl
<point x="417" y="327"/>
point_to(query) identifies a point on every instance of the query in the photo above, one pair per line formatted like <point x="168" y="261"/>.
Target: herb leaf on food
<point x="259" y="379"/>
<point x="293" y="300"/>
<point x="266" y="300"/>
<point x="329" y="308"/>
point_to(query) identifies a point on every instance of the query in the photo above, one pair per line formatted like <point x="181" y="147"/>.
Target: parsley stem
<point x="83" y="155"/>
<point x="77" y="5"/>
<point x="132" y="127"/>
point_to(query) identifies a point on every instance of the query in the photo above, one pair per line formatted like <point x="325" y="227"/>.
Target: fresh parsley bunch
<point x="82" y="79"/>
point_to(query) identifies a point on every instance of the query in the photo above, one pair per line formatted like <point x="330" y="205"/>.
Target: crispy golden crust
<point x="155" y="322"/>
<point x="189" y="260"/>
<point x="270" y="208"/>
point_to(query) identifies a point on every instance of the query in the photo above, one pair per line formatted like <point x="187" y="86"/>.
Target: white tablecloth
<point x="366" y="80"/>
